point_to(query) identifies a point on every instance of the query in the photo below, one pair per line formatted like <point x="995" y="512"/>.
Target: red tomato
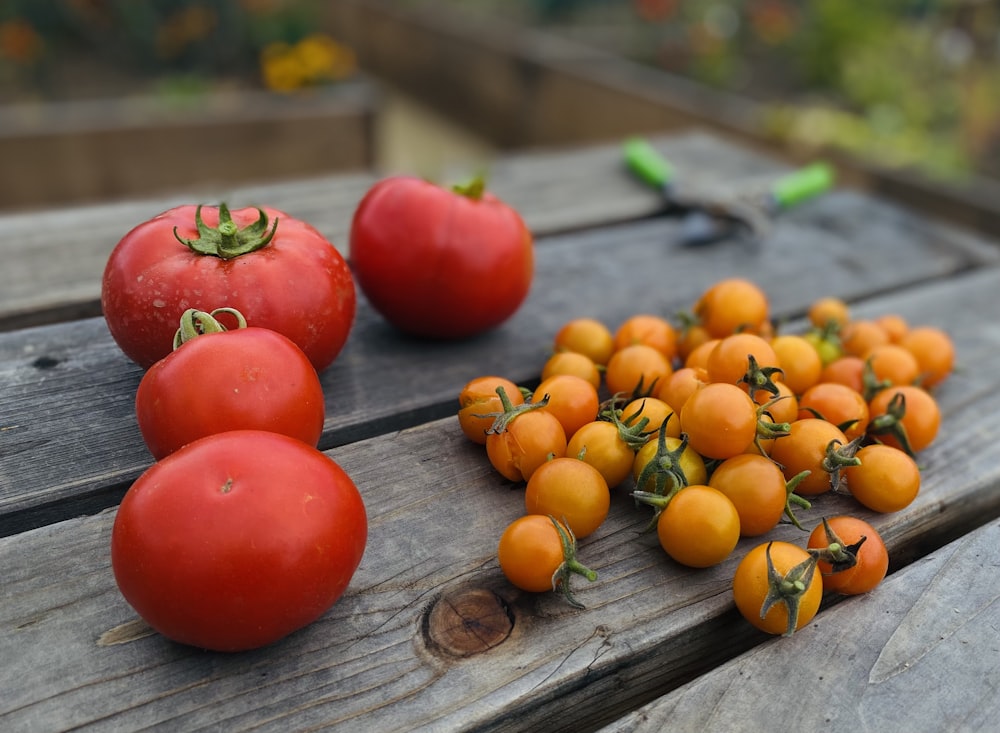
<point x="438" y="262"/>
<point x="244" y="379"/>
<point x="278" y="271"/>
<point x="237" y="540"/>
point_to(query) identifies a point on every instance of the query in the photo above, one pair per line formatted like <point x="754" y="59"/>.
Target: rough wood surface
<point x="918" y="654"/>
<point x="436" y="509"/>
<point x="53" y="260"/>
<point x="57" y="465"/>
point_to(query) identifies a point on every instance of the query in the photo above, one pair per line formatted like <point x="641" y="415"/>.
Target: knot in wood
<point x="468" y="622"/>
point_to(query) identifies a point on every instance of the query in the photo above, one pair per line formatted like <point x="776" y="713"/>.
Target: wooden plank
<point x="436" y="510"/>
<point x="71" y="443"/>
<point x="93" y="150"/>
<point x="53" y="260"/>
<point x="917" y="653"/>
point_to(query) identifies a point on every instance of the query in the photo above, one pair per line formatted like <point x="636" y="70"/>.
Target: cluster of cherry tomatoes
<point x="724" y="426"/>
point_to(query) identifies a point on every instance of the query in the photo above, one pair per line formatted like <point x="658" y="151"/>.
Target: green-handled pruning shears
<point x="709" y="217"/>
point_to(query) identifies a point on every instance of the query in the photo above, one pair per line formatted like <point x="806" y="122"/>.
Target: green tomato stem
<point x="227" y="240"/>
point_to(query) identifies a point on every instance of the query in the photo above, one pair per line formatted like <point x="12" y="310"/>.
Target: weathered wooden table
<point x="657" y="646"/>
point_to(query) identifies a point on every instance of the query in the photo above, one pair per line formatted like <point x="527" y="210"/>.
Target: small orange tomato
<point x="806" y="448"/>
<point x="894" y="325"/>
<point x="699" y="526"/>
<point x="601" y="444"/>
<point x="836" y="403"/>
<point x="799" y="361"/>
<point x="729" y="361"/>
<point x="732" y="305"/>
<point x="720" y="420"/>
<point x="656" y="411"/>
<point x="905" y="416"/>
<point x="853" y="557"/>
<point x="586" y="336"/>
<point x="636" y="369"/>
<point x="698" y="356"/>
<point x="887" y="479"/>
<point x="572" y="490"/>
<point x="525" y="443"/>
<point x="479" y="403"/>
<point x="846" y="370"/>
<point x="893" y="364"/>
<point x="573" y="400"/>
<point x="757" y="488"/>
<point x="829" y="312"/>
<point x="934" y="351"/>
<point x="776" y="587"/>
<point x="570" y="362"/>
<point x="537" y="554"/>
<point x="651" y="330"/>
<point x="676" y="388"/>
<point x="860" y="337"/>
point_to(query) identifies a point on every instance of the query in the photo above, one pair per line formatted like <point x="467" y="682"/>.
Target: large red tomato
<point x="278" y="271"/>
<point x="237" y="540"/>
<point x="437" y="262"/>
<point x="218" y="380"/>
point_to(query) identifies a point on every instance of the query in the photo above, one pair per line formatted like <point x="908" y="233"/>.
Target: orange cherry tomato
<point x="720" y="420"/>
<point x="805" y="448"/>
<point x="525" y="443"/>
<point x="572" y="490"/>
<point x="757" y="488"/>
<point x="893" y="364"/>
<point x="676" y="388"/>
<point x="854" y="544"/>
<point x="904" y="410"/>
<point x="799" y="361"/>
<point x="732" y="305"/>
<point x="836" y="403"/>
<point x="601" y="444"/>
<point x="934" y="351"/>
<point x="636" y="369"/>
<point x="886" y="481"/>
<point x="729" y="361"/>
<point x="586" y="336"/>
<point x="699" y="527"/>
<point x="650" y="330"/>
<point x="572" y="399"/>
<point x="571" y="362"/>
<point x="829" y="312"/>
<point x="797" y="587"/>
<point x="860" y="337"/>
<point x="479" y="403"/>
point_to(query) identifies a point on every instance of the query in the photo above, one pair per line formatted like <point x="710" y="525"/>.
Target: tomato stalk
<point x="840" y="456"/>
<point x="227" y="240"/>
<point x="787" y="588"/>
<point x="570" y="565"/>
<point x="664" y="468"/>
<point x="196" y="323"/>
<point x="474" y="189"/>
<point x="891" y="423"/>
<point x="632" y="432"/>
<point x="759" y="378"/>
<point x="510" y="411"/>
<point x="766" y="429"/>
<point x="837" y="553"/>
<point x="792" y="498"/>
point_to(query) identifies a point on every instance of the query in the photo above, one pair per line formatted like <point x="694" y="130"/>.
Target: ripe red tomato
<point x="438" y="262"/>
<point x="237" y="540"/>
<point x="278" y="271"/>
<point x="245" y="379"/>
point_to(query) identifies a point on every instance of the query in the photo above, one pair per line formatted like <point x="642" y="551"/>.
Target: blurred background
<point x="105" y="99"/>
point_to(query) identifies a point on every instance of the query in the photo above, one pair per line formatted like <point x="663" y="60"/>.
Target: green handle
<point x="645" y="162"/>
<point x="802" y="184"/>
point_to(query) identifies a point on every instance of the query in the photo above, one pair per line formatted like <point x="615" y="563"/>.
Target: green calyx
<point x="839" y="457"/>
<point x="569" y="566"/>
<point x="227" y="240"/>
<point x="196" y="323"/>
<point x="839" y="555"/>
<point x="510" y="411"/>
<point x="787" y="588"/>
<point x="474" y="189"/>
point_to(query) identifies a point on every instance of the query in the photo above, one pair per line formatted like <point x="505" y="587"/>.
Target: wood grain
<point x="917" y="653"/>
<point x="436" y="510"/>
<point x="58" y="464"/>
